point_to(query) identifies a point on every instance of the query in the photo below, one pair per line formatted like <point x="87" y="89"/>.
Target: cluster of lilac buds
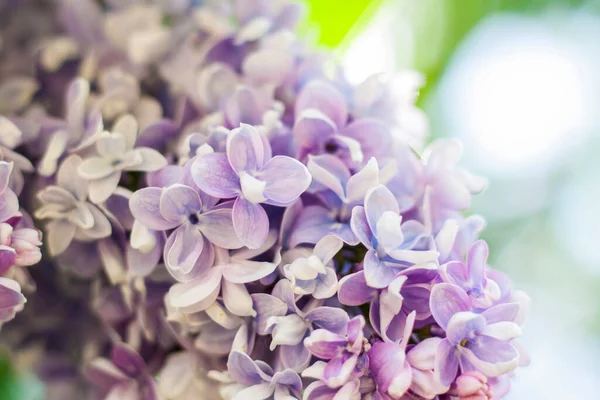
<point x="225" y="216"/>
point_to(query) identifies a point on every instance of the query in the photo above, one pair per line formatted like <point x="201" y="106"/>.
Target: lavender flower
<point x="188" y="251"/>
<point x="257" y="380"/>
<point x="71" y="215"/>
<point x="116" y="153"/>
<point x="313" y="274"/>
<point x="225" y="213"/>
<point x="474" y="342"/>
<point x="392" y="245"/>
<point x="249" y="173"/>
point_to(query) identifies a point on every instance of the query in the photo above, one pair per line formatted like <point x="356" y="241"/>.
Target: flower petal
<point x="69" y="178"/>
<point x="379" y="200"/>
<point x="446" y="363"/>
<point x="95" y="168"/>
<point x="330" y="172"/>
<point x="245" y="149"/>
<point x="360" y="183"/>
<point x="237" y="299"/>
<point x="197" y="294"/>
<point x="183" y="248"/>
<point x="152" y="160"/>
<point x="286" y="180"/>
<point x="267" y="306"/>
<point x="251" y="223"/>
<point x="377" y="273"/>
<point x="178" y="202"/>
<point x="447" y="300"/>
<point x="324" y="97"/>
<point x="60" y="233"/>
<point x="217" y="226"/>
<point x="145" y="207"/>
<point x="213" y="174"/>
<point x="331" y="318"/>
<point x="354" y="290"/>
<point x="247" y="271"/>
<point x="244" y="370"/>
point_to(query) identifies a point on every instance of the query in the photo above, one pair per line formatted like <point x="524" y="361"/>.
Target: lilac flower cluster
<point x="226" y="217"/>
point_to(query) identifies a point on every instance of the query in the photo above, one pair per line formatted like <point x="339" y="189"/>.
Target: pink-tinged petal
<point x="330" y="172"/>
<point x="60" y="233"/>
<point x="286" y="180"/>
<point x="8" y="256"/>
<point x="183" y="248"/>
<point x="501" y="312"/>
<point x="447" y="300"/>
<point x="491" y="356"/>
<point x="325" y="97"/>
<point x="374" y="137"/>
<point x="95" y="168"/>
<point x="354" y="290"/>
<point x="213" y="174"/>
<point x="127" y="360"/>
<point x="312" y="128"/>
<point x="245" y="149"/>
<point x="324" y="344"/>
<point x="68" y="177"/>
<point x="476" y="261"/>
<point x="145" y="207"/>
<point x="195" y="295"/>
<point x="379" y="200"/>
<point x="152" y="160"/>
<point x="9" y="205"/>
<point x="102" y="189"/>
<point x="178" y="202"/>
<point x="422" y="355"/>
<point x="377" y="273"/>
<point x="338" y="370"/>
<point x="360" y="227"/>
<point x="247" y="271"/>
<point x="217" y="226"/>
<point x="360" y="183"/>
<point x="237" y="299"/>
<point x="10" y="294"/>
<point x="446" y="363"/>
<point x="251" y="223"/>
<point x="5" y="171"/>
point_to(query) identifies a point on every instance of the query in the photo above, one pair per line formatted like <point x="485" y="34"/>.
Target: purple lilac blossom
<point x="225" y="216"/>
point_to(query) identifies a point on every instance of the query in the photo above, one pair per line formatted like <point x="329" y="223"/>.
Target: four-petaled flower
<point x="117" y="153"/>
<point x="249" y="173"/>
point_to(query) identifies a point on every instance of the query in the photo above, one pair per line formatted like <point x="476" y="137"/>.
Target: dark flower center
<point x="463" y="343"/>
<point x="193" y="218"/>
<point x="331" y="147"/>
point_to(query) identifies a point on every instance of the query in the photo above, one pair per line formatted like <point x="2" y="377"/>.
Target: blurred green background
<point x="518" y="82"/>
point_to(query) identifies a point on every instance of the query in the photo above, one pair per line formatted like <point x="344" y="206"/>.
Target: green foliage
<point x="334" y="19"/>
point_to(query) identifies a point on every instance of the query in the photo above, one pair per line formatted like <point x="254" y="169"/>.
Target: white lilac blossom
<point x="226" y="217"/>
